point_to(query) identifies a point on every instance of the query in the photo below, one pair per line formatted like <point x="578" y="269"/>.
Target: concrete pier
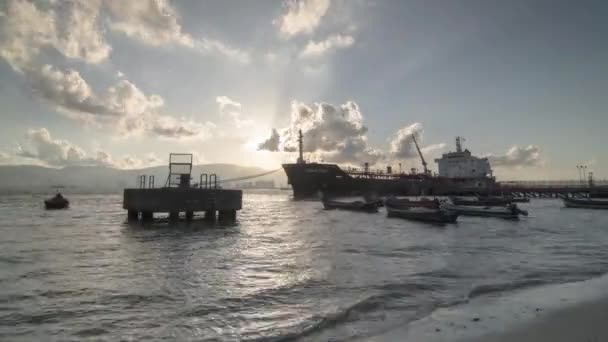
<point x="180" y="196"/>
<point x="149" y="201"/>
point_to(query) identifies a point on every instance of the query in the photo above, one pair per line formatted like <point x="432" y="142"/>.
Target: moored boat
<point x="435" y="215"/>
<point x="481" y="202"/>
<point x="369" y="207"/>
<point x="510" y="211"/>
<point x="585" y="203"/>
<point x="405" y="203"/>
<point x="57" y="202"/>
<point x="520" y="200"/>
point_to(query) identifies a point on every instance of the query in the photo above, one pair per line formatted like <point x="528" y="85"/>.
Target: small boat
<point x="436" y="215"/>
<point x="57" y="202"/>
<point x="520" y="199"/>
<point x="405" y="203"/>
<point x="482" y="202"/>
<point x="369" y="207"/>
<point x="510" y="211"/>
<point x="587" y="203"/>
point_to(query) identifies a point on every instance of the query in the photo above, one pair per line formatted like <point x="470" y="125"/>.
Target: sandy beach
<point x="572" y="312"/>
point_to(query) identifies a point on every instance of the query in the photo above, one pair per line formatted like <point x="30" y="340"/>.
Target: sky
<point x="124" y="83"/>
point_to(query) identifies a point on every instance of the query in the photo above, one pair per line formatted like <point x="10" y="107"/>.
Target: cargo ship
<point x="460" y="173"/>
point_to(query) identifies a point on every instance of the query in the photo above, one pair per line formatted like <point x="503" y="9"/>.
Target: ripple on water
<point x="286" y="271"/>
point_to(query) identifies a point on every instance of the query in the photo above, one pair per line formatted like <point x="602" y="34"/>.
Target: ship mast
<point x="426" y="170"/>
<point x="300" y="143"/>
<point x="459" y="141"/>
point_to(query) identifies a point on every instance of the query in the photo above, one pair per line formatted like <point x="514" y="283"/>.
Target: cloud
<point x="68" y="26"/>
<point x="66" y="90"/>
<point x="46" y="150"/>
<point x="24" y="29"/>
<point x="337" y="134"/>
<point x="231" y="109"/>
<point x="317" y="49"/>
<point x="402" y="144"/>
<point x="272" y="143"/>
<point x="53" y="152"/>
<point x="331" y="133"/>
<point x="156" y="23"/>
<point x="170" y="127"/>
<point x="122" y="106"/>
<point x="517" y="157"/>
<point x="225" y="101"/>
<point x="79" y="36"/>
<point x="301" y="17"/>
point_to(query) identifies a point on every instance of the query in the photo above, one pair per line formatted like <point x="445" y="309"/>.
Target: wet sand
<point x="582" y="322"/>
<point x="572" y="312"/>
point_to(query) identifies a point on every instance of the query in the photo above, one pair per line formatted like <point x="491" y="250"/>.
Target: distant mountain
<point x="97" y="179"/>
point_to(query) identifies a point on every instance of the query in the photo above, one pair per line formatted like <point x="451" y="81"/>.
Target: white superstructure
<point x="461" y="164"/>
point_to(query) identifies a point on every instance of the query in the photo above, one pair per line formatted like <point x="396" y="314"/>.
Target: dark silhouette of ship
<point x="310" y="179"/>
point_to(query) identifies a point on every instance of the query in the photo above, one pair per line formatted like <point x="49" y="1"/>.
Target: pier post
<point x="133" y="215"/>
<point x="227" y="215"/>
<point x="174" y="216"/>
<point x="189" y="215"/>
<point x="210" y="215"/>
<point x="147" y="216"/>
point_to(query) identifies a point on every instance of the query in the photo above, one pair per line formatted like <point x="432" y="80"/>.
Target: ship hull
<point x="311" y="179"/>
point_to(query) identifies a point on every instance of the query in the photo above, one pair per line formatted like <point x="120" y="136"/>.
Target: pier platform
<point x="144" y="203"/>
<point x="179" y="195"/>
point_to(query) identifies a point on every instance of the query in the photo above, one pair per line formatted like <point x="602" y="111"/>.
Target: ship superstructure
<point x="461" y="164"/>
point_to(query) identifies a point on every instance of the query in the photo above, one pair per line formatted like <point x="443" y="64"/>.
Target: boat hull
<point x="309" y="179"/>
<point x="585" y="203"/>
<point x="424" y="215"/>
<point x="352" y="206"/>
<point x="55" y="205"/>
<point x="504" y="213"/>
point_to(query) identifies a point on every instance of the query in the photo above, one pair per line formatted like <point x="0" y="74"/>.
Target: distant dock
<point x="180" y="196"/>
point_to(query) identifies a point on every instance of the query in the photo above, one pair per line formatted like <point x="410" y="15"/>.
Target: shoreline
<point x="569" y="312"/>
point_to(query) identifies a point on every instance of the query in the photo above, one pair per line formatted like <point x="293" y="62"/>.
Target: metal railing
<point x="208" y="181"/>
<point x="145" y="181"/>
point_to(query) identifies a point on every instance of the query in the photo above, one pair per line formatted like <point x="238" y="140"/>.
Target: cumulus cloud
<point x="156" y="23"/>
<point x="170" y="127"/>
<point x="225" y="101"/>
<point x="231" y="109"/>
<point x="337" y="134"/>
<point x="301" y="17"/>
<point x="72" y="28"/>
<point x="122" y="106"/>
<point x="79" y="36"/>
<point x="53" y="152"/>
<point x="45" y="150"/>
<point x="517" y="157"/>
<point x="317" y="49"/>
<point x="331" y="133"/>
<point x="65" y="90"/>
<point x="27" y="28"/>
<point x="272" y="143"/>
<point x="402" y="144"/>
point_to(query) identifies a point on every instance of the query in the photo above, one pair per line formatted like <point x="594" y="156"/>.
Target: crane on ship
<point x="426" y="169"/>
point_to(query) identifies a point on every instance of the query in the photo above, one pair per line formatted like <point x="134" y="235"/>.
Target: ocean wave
<point x="90" y="332"/>
<point x="132" y="299"/>
<point x="503" y="287"/>
<point x="328" y="320"/>
<point x="536" y="278"/>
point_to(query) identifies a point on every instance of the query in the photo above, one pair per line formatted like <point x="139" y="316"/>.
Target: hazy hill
<point x="95" y="179"/>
